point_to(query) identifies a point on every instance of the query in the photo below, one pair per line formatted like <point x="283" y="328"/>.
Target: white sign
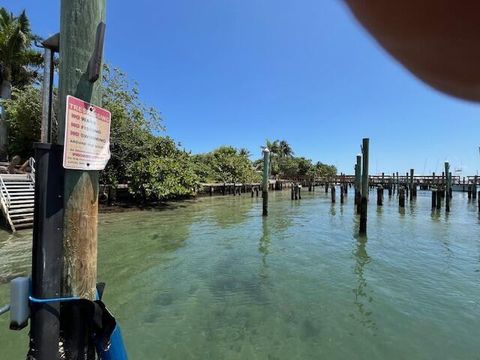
<point x="87" y="136"/>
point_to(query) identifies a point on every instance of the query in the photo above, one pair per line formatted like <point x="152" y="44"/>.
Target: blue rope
<point x="60" y="299"/>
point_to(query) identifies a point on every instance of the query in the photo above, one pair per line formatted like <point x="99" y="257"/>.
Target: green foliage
<point x="168" y="173"/>
<point x="24" y="112"/>
<point x="286" y="166"/>
<point x="225" y="164"/>
<point x="131" y="136"/>
<point x="17" y="58"/>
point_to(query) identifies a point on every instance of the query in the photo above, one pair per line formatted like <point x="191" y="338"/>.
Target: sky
<point x="239" y="72"/>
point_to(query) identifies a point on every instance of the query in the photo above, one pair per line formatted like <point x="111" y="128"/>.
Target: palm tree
<point x="16" y="59"/>
<point x="274" y="147"/>
<point x="244" y="152"/>
<point x="285" y="149"/>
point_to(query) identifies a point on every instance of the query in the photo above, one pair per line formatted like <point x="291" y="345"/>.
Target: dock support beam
<point x="80" y="21"/>
<point x="364" y="198"/>
<point x="266" y="166"/>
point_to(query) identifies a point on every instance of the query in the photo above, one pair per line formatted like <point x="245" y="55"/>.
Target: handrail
<point x="31" y="164"/>
<point x="6" y="199"/>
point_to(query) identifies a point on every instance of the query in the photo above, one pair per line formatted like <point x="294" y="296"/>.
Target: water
<point x="211" y="279"/>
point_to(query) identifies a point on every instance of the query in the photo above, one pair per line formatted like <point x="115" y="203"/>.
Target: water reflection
<point x="234" y="214"/>
<point x="264" y="247"/>
<point x="333" y="210"/>
<point x="362" y="299"/>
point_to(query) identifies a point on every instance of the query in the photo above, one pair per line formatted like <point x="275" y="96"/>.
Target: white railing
<point x="31" y="164"/>
<point x="3" y="192"/>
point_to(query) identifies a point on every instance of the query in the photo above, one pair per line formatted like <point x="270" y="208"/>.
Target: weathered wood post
<point x="469" y="191"/>
<point x="326" y="187"/>
<point x="358" y="181"/>
<point x="299" y="191"/>
<point x="444" y="185"/>
<point x="379" y="196"/>
<point x="364" y="199"/>
<point x="479" y="201"/>
<point x="342" y="194"/>
<point x="80" y="23"/>
<point x="407" y="185"/>
<point x="333" y="193"/>
<point x="292" y="192"/>
<point x="266" y="171"/>
<point x="439" y="199"/>
<point x="413" y="187"/>
<point x="398" y="182"/>
<point x="474" y="190"/>
<point x="450" y="187"/>
<point x="434" y="198"/>
<point x="401" y="196"/>
<point x="447" y="196"/>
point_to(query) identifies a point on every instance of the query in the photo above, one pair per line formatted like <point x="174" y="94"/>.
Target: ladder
<point x="17" y="198"/>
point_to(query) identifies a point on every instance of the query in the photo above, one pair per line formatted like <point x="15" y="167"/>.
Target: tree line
<point x="154" y="166"/>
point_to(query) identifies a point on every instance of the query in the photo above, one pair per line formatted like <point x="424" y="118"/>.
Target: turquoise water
<point x="212" y="279"/>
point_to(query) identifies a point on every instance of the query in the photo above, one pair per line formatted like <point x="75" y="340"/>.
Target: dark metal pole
<point x="47" y="251"/>
<point x="46" y="95"/>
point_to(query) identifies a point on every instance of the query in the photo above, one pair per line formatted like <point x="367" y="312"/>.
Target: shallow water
<point x="211" y="279"/>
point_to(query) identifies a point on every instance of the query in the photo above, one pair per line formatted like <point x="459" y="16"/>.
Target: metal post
<point x="47" y="251"/>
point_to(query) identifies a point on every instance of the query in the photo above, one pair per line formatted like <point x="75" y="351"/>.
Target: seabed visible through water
<point x="212" y="279"/>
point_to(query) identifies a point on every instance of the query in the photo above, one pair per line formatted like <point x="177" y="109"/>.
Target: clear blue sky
<point x="240" y="71"/>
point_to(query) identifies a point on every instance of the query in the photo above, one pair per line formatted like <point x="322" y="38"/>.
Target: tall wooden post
<point x="401" y="196"/>
<point x="364" y="199"/>
<point x="358" y="181"/>
<point x="266" y="171"/>
<point x="413" y="186"/>
<point x="79" y="22"/>
<point x="447" y="187"/>
<point x="474" y="192"/>
<point x="398" y="181"/>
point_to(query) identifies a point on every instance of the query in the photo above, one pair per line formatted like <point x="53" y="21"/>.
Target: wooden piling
<point x="413" y="186"/>
<point x="358" y="182"/>
<point x="380" y="195"/>
<point x="401" y="196"/>
<point x="333" y="193"/>
<point x="439" y="198"/>
<point x="79" y="29"/>
<point x="474" y="188"/>
<point x="364" y="199"/>
<point x="266" y="170"/>
<point x="342" y="194"/>
<point x="447" y="188"/>
<point x="434" y="198"/>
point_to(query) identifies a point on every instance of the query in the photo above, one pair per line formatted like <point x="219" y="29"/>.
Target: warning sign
<point x="87" y="136"/>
